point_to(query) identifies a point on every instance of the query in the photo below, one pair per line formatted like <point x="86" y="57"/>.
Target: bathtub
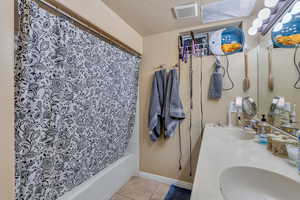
<point x="107" y="182"/>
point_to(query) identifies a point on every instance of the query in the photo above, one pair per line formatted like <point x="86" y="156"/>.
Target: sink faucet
<point x="254" y="124"/>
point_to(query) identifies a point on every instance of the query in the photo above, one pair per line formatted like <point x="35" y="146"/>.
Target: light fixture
<point x="287" y="18"/>
<point x="264" y="13"/>
<point x="271" y="3"/>
<point x="252" y="31"/>
<point x="296" y="8"/>
<point x="278" y="27"/>
<point x="257" y="23"/>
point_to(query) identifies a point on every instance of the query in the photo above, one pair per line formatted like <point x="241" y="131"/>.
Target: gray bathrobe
<point x="166" y="109"/>
<point x="173" y="111"/>
<point x="155" y="123"/>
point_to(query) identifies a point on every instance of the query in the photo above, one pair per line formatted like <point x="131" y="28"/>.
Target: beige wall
<point x="7" y="101"/>
<point x="101" y="15"/>
<point x="161" y="158"/>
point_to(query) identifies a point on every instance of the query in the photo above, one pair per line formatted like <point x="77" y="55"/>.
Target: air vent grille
<point x="186" y="11"/>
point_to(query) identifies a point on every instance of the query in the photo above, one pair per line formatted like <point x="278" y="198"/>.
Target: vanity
<point x="233" y="168"/>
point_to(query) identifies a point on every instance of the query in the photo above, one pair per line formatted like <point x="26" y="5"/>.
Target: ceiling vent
<point x="186" y="11"/>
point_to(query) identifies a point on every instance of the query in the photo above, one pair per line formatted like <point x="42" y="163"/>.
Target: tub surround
<point x="221" y="149"/>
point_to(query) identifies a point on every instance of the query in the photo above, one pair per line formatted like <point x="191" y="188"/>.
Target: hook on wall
<point x="164" y="66"/>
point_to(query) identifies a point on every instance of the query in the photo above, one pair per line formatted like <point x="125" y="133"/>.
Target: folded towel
<point x="216" y="82"/>
<point x="156" y="104"/>
<point x="173" y="111"/>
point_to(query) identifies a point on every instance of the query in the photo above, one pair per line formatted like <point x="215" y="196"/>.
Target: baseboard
<point x="166" y="180"/>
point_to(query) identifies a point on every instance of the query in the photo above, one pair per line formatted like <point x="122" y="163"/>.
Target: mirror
<point x="279" y="74"/>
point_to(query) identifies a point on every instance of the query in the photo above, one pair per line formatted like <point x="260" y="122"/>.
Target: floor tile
<point x="119" y="197"/>
<point x="161" y="192"/>
<point x="141" y="185"/>
<point x="135" y="195"/>
<point x="139" y="188"/>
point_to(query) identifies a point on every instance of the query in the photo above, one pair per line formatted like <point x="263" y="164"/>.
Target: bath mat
<point x="177" y="193"/>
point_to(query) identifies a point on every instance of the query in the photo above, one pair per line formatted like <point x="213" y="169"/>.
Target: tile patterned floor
<point x="142" y="189"/>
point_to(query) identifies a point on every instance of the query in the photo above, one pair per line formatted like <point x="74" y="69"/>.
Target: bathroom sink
<point x="247" y="183"/>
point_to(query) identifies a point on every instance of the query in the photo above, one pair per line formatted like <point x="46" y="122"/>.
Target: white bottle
<point x="293" y="115"/>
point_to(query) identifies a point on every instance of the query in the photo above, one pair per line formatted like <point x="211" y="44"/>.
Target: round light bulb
<point x="271" y="3"/>
<point x="264" y="13"/>
<point x="296" y="8"/>
<point x="287" y="18"/>
<point x="257" y="23"/>
<point x="278" y="27"/>
<point x="252" y="31"/>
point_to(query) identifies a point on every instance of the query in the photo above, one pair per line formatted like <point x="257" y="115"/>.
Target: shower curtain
<point x="75" y="104"/>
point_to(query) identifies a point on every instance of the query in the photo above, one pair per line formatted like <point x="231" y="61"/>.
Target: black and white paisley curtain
<point x="75" y="101"/>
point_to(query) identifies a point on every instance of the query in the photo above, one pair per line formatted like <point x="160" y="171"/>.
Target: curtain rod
<point x="66" y="12"/>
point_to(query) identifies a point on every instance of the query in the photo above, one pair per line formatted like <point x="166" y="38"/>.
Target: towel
<point x="173" y="111"/>
<point x="216" y="82"/>
<point x="155" y="122"/>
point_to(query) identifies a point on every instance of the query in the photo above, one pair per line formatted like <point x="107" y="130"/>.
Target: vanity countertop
<point x="221" y="149"/>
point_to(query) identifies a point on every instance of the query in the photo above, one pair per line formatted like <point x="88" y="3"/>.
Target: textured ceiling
<point x="154" y="16"/>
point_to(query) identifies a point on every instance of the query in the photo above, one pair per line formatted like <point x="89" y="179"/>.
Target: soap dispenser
<point x="263" y="125"/>
<point x="263" y="119"/>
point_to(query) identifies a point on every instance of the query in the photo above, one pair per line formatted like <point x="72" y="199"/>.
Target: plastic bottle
<point x="263" y="124"/>
<point x="261" y="136"/>
<point x="293" y="115"/>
